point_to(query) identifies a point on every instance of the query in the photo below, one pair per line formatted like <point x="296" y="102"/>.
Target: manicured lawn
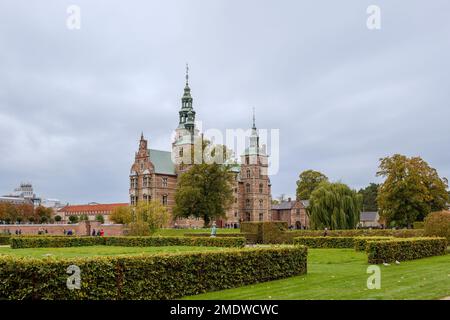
<point x="341" y="274"/>
<point x="182" y="232"/>
<point x="90" y="251"/>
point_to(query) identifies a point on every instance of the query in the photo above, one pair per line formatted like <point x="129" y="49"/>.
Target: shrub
<point x="249" y="237"/>
<point x="161" y="276"/>
<point x="73" y="219"/>
<point x="277" y="232"/>
<point x="438" y="224"/>
<point x="67" y="241"/>
<point x="100" y="218"/>
<point x="4" y="239"/>
<point x="55" y="242"/>
<point x="175" y="241"/>
<point x="405" y="249"/>
<point x="418" y="225"/>
<point x="361" y="242"/>
<point x="325" y="242"/>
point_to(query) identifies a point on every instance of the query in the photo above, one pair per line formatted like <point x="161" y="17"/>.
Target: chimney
<point x="289" y="199"/>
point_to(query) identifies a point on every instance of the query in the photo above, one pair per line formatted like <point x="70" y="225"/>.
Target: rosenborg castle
<point x="154" y="173"/>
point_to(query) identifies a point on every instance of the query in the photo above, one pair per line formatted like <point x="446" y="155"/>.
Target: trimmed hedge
<point x="405" y="249"/>
<point x="162" y="276"/>
<point x="326" y="242"/>
<point x="276" y="232"/>
<point x="4" y="239"/>
<point x="250" y="237"/>
<point x="437" y="224"/>
<point x="361" y="242"/>
<point x="175" y="241"/>
<point x="70" y="241"/>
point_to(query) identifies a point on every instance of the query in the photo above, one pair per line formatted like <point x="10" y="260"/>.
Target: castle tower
<point x="186" y="132"/>
<point x="256" y="193"/>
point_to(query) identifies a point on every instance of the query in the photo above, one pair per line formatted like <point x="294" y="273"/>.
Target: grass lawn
<point x="182" y="232"/>
<point x="341" y="274"/>
<point x="72" y="252"/>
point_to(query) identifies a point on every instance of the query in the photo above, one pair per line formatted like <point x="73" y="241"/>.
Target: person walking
<point x="325" y="233"/>
<point x="93" y="233"/>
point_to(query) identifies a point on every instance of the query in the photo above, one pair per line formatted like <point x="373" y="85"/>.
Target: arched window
<point x="261" y="188"/>
<point x="247" y="187"/>
<point x="247" y="216"/>
<point x="164" y="200"/>
<point x="247" y="203"/>
<point x="248" y="173"/>
<point x="181" y="152"/>
<point x="261" y="216"/>
<point x="261" y="204"/>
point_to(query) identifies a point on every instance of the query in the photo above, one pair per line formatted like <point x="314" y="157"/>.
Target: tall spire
<point x="254" y="122"/>
<point x="187" y="74"/>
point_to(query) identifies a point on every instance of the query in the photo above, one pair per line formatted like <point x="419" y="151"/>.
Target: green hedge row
<point x="162" y="276"/>
<point x="400" y="233"/>
<point x="275" y="232"/>
<point x="405" y="249"/>
<point x="326" y="242"/>
<point x="175" y="241"/>
<point x="250" y="237"/>
<point x="70" y="241"/>
<point x="4" y="239"/>
<point x="361" y="242"/>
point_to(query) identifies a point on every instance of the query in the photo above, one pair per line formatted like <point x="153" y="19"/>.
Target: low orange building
<point x="91" y="210"/>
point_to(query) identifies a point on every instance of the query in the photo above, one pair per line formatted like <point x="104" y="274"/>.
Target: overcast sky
<point x="74" y="102"/>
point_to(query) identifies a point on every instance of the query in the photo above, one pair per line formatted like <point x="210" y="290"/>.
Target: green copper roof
<point x="162" y="160"/>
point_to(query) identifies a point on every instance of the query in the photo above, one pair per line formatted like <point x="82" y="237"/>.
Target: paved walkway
<point x="446" y="298"/>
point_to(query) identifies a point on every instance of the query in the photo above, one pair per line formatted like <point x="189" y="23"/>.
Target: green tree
<point x="147" y="217"/>
<point x="100" y="218"/>
<point x="121" y="215"/>
<point x="84" y="217"/>
<point x="369" y="197"/>
<point x="308" y="181"/>
<point x="334" y="206"/>
<point x="73" y="219"/>
<point x="58" y="218"/>
<point x="204" y="191"/>
<point x="411" y="190"/>
<point x="43" y="214"/>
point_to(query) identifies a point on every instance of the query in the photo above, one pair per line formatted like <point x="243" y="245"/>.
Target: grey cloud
<point x="73" y="103"/>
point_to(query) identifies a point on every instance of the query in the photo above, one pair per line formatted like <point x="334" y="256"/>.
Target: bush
<point x="405" y="249"/>
<point x="418" y="225"/>
<point x="361" y="242"/>
<point x="159" y="276"/>
<point x="58" y="218"/>
<point x="326" y="242"/>
<point x="175" y="241"/>
<point x="73" y="219"/>
<point x="100" y="218"/>
<point x="277" y="232"/>
<point x="438" y="224"/>
<point x="55" y="242"/>
<point x="67" y="241"/>
<point x="4" y="239"/>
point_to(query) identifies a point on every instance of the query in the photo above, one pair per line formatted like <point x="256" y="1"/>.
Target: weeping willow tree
<point x="334" y="206"/>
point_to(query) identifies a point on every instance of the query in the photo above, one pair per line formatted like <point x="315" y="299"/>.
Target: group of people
<point x="98" y="233"/>
<point x="69" y="232"/>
